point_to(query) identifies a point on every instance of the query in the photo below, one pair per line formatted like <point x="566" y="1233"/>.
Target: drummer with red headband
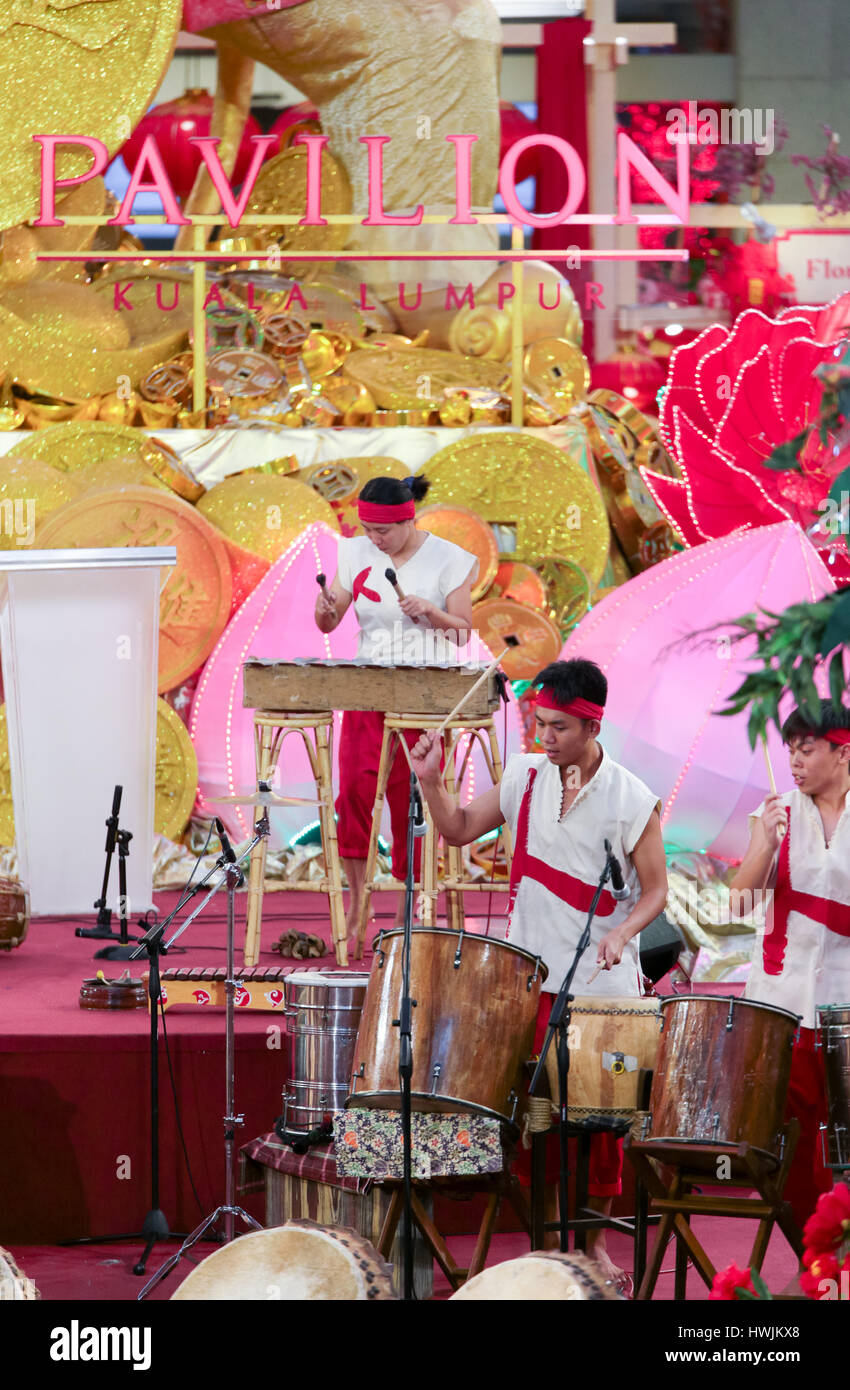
<point x="561" y="805"/>
<point x="435" y="579"/>
<point x="800" y="848"/>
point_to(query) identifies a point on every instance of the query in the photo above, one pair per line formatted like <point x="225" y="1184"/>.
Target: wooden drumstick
<point x="596" y="972"/>
<point x="322" y="582"/>
<point x="510" y="642"/>
<point x="770" y="777"/>
<point x="400" y="594"/>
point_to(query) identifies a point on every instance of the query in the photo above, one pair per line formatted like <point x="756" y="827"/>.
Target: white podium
<point x="79" y="634"/>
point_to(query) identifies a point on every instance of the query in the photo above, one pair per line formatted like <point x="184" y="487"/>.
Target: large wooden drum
<point x="613" y="1043"/>
<point x="299" y="1262"/>
<point x="722" y="1071"/>
<point x="14" y="914"/>
<point x="473" y="1025"/>
<point x="834" y="1038"/>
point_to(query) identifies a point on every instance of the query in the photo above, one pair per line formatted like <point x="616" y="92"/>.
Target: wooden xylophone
<point x="260" y="987"/>
<point x="309" y="686"/>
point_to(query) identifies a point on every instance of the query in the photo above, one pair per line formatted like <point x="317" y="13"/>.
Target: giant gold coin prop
<point x="34" y="490"/>
<point x="539" y="639"/>
<point x="78" y="445"/>
<point x="414" y="378"/>
<point x="470" y="532"/>
<point x="518" y="581"/>
<point x="88" y="68"/>
<point x="370" y="466"/>
<point x="281" y="188"/>
<point x="264" y="513"/>
<point x="558" y="372"/>
<point x="521" y="481"/>
<point x="568" y="590"/>
<point x="176" y="773"/>
<point x="20" y="247"/>
<point x="176" y="777"/>
<point x="195" y="599"/>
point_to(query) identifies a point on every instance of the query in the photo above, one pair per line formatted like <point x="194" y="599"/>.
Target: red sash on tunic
<point x="570" y="890"/>
<point x="834" y="916"/>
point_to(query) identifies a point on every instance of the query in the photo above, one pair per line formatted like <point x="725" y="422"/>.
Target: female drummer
<point x="432" y="595"/>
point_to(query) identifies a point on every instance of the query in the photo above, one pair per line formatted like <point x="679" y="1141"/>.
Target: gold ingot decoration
<point x="264" y="513"/>
<point x="539" y="640"/>
<point x="568" y="590"/>
<point x="471" y="532"/>
<point x="281" y="187"/>
<point x="558" y="372"/>
<point x="353" y="402"/>
<point x="456" y="411"/>
<point x="34" y="490"/>
<point x="87" y="67"/>
<point x="523" y="482"/>
<point x="20" y="247"/>
<point x="321" y="354"/>
<point x="67" y="341"/>
<point x="618" y="432"/>
<point x="74" y="446"/>
<point x="639" y="426"/>
<point x="176" y="779"/>
<point x="515" y="580"/>
<point x="418" y="379"/>
<point x="119" y="410"/>
<point x="11" y="415"/>
<point x="320" y="305"/>
<point x="393" y="419"/>
<point x="484" y="331"/>
<point x="549" y="309"/>
<point x="196" y="594"/>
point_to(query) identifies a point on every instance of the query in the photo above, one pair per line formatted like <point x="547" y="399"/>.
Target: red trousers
<point x="808" y="1177"/>
<point x="606" y="1151"/>
<point x="359" y="756"/>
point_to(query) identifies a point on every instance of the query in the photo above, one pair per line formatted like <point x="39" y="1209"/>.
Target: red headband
<point x="386" y="513"/>
<point x="838" y="736"/>
<point x="582" y="709"/>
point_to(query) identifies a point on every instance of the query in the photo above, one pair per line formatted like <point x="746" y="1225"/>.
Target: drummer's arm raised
<point x="756" y="866"/>
<point x="458" y="825"/>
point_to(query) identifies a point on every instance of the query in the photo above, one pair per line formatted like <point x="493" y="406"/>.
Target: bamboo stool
<point x="483" y="731"/>
<point x="695" y="1165"/>
<point x="316" y="730"/>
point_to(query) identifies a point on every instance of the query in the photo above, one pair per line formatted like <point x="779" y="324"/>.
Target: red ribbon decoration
<point x="572" y="891"/>
<point x="359" y="586"/>
<point x="834" y="916"/>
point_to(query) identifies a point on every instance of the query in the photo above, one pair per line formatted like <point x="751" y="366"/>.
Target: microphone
<point x="226" y="846"/>
<point x="619" y="889"/>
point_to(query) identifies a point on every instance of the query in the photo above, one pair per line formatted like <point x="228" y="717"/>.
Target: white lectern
<point x="79" y="633"/>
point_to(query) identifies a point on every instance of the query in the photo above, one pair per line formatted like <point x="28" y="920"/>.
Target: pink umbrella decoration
<point x="659" y="720"/>
<point x="735" y="394"/>
<point x="276" y="621"/>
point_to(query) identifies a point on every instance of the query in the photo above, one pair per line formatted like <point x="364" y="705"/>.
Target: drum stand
<point x="559" y="1021"/>
<point x="416" y="828"/>
<point x="233" y="877"/>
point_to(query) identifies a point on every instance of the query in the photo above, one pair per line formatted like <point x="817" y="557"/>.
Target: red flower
<point x="830" y="1222"/>
<point x="726" y="1281"/>
<point x="820" y="1267"/>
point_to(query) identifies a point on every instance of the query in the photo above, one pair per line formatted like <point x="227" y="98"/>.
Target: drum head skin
<point x="543" y="1276"/>
<point x="298" y="1262"/>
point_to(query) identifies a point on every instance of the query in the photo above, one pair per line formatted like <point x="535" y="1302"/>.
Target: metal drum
<point x="722" y="1071"/>
<point x="322" y="1009"/>
<point x="473" y="1025"/>
<point x="613" y="1044"/>
<point x="834" y="1038"/>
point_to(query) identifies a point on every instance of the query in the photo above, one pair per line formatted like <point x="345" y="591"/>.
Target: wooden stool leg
<point x="264" y="740"/>
<point x="485" y="1234"/>
<point x="429" y="872"/>
<point x="497" y="777"/>
<point x="329" y="844"/>
<point x="452" y="853"/>
<point x="388" y="748"/>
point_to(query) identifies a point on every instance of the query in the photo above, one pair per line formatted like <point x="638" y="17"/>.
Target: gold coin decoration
<point x="176" y="776"/>
<point x="171" y="382"/>
<point x="370" y="466"/>
<point x="196" y="594"/>
<point x="247" y="375"/>
<point x="471" y="533"/>
<point x="520" y="582"/>
<point x="416" y="378"/>
<point x="336" y="482"/>
<point x="568" y="590"/>
<point x="34" y="490"/>
<point x="77" y="445"/>
<point x="170" y="468"/>
<point x="532" y="488"/>
<point x="90" y="68"/>
<point x="264" y="513"/>
<point x="557" y="371"/>
<point x="539" y="640"/>
<point x="176" y="773"/>
<point x="281" y="187"/>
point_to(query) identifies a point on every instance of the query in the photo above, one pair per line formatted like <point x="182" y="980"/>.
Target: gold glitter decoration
<point x="484" y="331"/>
<point x="416" y="378"/>
<point x="568" y="590"/>
<point x="176" y="773"/>
<point x="20" y="247"/>
<point x="35" y="490"/>
<point x="68" y="342"/>
<point x="520" y="481"/>
<point x="639" y="427"/>
<point x="247" y="380"/>
<point x="618" y="434"/>
<point x="196" y="594"/>
<point x="557" y="371"/>
<point x="281" y="187"/>
<point x="539" y="639"/>
<point x="264" y="513"/>
<point x="76" y="446"/>
<point x="336" y="482"/>
<point x="90" y="68"/>
<point x="176" y="474"/>
<point x="471" y="532"/>
<point x="7" y="810"/>
<point x="161" y="299"/>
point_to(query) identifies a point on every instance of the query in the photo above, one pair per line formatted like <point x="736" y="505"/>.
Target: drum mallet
<point x="770" y="777"/>
<point x="391" y="575"/>
<point x="510" y="642"/>
<point x="322" y="582"/>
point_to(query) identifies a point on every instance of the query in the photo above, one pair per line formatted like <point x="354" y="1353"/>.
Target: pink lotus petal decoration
<point x="733" y="395"/>
<point x="658" y="719"/>
<point x="276" y="621"/>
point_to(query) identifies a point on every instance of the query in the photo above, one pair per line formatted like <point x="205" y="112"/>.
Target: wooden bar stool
<point x="482" y="730"/>
<point x="698" y="1165"/>
<point x="316" y="731"/>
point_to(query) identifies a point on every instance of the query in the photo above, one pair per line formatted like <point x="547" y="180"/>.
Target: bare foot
<point x="611" y="1273"/>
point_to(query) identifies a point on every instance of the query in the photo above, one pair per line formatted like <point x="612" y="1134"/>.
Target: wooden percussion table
<point x="300" y="697"/>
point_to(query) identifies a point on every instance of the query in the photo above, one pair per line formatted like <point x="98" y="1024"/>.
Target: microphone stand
<point x="102" y="931"/>
<point x="559" y="1021"/>
<point x="415" y="830"/>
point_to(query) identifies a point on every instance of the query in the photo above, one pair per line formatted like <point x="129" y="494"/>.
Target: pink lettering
<point x="214" y="297"/>
<point x="295" y="294"/>
<point x="629" y="157"/>
<point x="377" y="217"/>
<point x="541" y="286"/>
<point x="175" y="297"/>
<point x="575" y="175"/>
<point x="362" y="302"/>
<point x="150" y="158"/>
<point x="119" y="296"/>
<point x="463" y="180"/>
<point x="506" y="292"/>
<point x="49" y="182"/>
<point x="409" y="308"/>
<point x="315" y="144"/>
<point x="452" y="301"/>
<point x="593" y="295"/>
<point x="208" y="145"/>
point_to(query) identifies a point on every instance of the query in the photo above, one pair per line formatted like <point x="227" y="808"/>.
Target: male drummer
<point x="561" y="805"/>
<point x="800" y="848"/>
